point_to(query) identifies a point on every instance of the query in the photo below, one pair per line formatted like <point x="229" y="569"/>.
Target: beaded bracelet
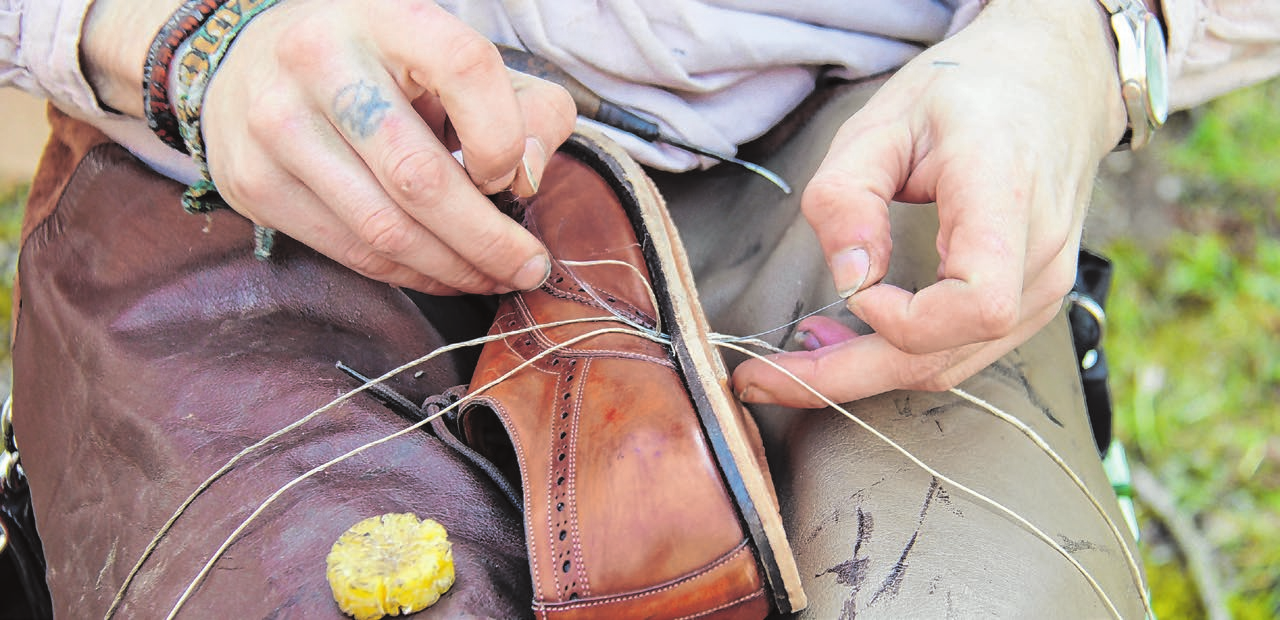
<point x="199" y="58"/>
<point x="155" y="73"/>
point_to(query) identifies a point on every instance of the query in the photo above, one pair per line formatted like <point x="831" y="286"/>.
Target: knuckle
<point x="306" y="44"/>
<point x="500" y="248"/>
<point x="385" y="231"/>
<point x="432" y="287"/>
<point x="235" y="185"/>
<point x="925" y="372"/>
<point x="910" y="342"/>
<point x="940" y="383"/>
<point x="367" y="262"/>
<point x="997" y="316"/>
<point x="1046" y="316"/>
<point x="468" y="279"/>
<point x="417" y="174"/>
<point x="503" y="152"/>
<point x="274" y="114"/>
<point x="473" y="55"/>
<point x="822" y="192"/>
<point x="1060" y="282"/>
<point x="562" y="110"/>
<point x="949" y="376"/>
<point x="845" y="198"/>
<point x="415" y="15"/>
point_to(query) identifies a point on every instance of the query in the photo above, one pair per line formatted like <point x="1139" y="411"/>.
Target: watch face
<point x="1157" y="72"/>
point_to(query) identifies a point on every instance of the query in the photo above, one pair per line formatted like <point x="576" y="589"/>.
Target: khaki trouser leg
<point x="874" y="533"/>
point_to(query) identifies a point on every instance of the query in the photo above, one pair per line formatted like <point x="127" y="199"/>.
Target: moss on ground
<point x="1194" y="343"/>
<point x="12" y="197"/>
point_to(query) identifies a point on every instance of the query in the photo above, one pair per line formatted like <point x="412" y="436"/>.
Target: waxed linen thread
<point x="655" y="335"/>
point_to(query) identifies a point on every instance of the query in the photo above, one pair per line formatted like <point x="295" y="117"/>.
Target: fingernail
<point x="746" y="395"/>
<point x="850" y="268"/>
<point x="534" y="161"/>
<point x="807" y="340"/>
<point x="533" y="273"/>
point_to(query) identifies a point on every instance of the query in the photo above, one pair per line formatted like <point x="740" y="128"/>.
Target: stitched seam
<point x="527" y="316"/>
<point x="738" y="601"/>
<point x="632" y="311"/>
<point x="598" y="353"/>
<point x="574" y="427"/>
<point x="622" y="307"/>
<point x="505" y="416"/>
<point x="742" y="547"/>
<point x="552" y="464"/>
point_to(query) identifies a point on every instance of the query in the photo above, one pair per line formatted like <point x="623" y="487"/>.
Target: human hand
<point x="1003" y="126"/>
<point x="332" y="121"/>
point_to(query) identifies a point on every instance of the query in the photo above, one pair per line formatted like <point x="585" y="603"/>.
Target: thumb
<point x="847" y="202"/>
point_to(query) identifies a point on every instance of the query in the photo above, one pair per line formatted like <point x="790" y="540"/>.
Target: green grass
<point x="12" y="198"/>
<point x="1194" y="343"/>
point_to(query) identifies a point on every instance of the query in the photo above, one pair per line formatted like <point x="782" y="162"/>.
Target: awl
<point x="593" y="106"/>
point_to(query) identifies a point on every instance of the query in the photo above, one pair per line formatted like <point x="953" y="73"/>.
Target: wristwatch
<point x="1140" y="53"/>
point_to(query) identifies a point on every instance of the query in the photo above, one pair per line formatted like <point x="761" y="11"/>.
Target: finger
<point x="428" y="185"/>
<point x="869" y="365"/>
<point x="470" y="80"/>
<point x="982" y="244"/>
<point x="297" y="212"/>
<point x="324" y="162"/>
<point x="850" y="370"/>
<point x="432" y="112"/>
<point x="847" y="201"/>
<point x="549" y="119"/>
<point x="820" y="331"/>
<point x="984" y="355"/>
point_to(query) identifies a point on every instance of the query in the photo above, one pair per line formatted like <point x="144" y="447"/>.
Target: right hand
<point x="1007" y="145"/>
<point x="332" y="121"/>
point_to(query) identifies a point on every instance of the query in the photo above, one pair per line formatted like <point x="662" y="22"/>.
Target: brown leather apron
<point x="151" y="346"/>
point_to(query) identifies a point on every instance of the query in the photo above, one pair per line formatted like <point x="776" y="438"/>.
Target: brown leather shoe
<point x="645" y="492"/>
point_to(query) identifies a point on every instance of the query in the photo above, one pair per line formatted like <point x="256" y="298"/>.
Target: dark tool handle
<point x="589" y="104"/>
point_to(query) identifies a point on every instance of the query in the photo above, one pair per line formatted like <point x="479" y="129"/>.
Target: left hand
<point x="1003" y="126"/>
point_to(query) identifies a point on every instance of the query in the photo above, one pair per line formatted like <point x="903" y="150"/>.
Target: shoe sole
<point x="727" y="426"/>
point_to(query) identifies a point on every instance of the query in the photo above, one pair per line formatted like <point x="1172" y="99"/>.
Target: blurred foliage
<point x="12" y="198"/>
<point x="1194" y="342"/>
<point x="1234" y="141"/>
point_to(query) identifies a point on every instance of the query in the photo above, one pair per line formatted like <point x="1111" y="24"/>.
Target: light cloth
<point x="713" y="72"/>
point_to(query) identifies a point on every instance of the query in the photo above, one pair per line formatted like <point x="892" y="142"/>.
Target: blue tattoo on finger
<point x="360" y="108"/>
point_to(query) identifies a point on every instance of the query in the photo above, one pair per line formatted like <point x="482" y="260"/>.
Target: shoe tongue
<point x="579" y="218"/>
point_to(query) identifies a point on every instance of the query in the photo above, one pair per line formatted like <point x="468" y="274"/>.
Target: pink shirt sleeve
<point x="39" y="52"/>
<point x="1216" y="46"/>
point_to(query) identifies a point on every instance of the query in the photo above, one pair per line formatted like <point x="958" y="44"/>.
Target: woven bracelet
<point x="155" y="73"/>
<point x="200" y="56"/>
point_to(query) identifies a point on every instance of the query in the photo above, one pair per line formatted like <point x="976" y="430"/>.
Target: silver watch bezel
<point x="1140" y="55"/>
